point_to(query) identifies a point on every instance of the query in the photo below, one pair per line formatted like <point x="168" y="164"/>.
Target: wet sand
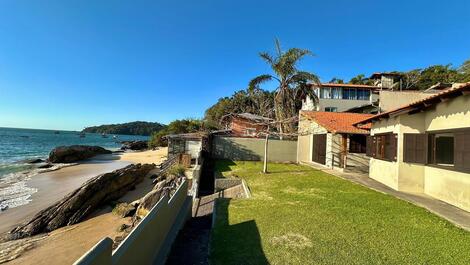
<point x="53" y="186"/>
<point x="69" y="243"/>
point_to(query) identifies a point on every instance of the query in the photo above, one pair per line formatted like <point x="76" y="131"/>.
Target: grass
<point x="299" y="215"/>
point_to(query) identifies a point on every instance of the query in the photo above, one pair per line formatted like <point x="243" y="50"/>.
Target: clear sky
<point x="71" y="64"/>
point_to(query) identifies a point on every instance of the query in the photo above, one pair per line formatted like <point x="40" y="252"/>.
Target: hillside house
<point x="340" y="97"/>
<point x="330" y="139"/>
<point x="247" y="125"/>
<point x="390" y="80"/>
<point x="424" y="147"/>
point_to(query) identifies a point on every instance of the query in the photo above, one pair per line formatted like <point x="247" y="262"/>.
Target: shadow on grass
<point x="237" y="243"/>
<point x="223" y="165"/>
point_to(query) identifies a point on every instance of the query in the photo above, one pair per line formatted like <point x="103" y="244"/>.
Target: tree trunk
<point x="265" y="165"/>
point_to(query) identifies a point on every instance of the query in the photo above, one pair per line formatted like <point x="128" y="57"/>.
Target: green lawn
<point x="298" y="215"/>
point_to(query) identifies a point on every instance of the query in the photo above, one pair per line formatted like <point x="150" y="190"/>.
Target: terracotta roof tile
<point x="339" y="122"/>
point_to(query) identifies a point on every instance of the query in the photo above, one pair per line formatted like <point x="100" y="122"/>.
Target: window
<point x="325" y="92"/>
<point x="363" y="94"/>
<point x="462" y="151"/>
<point x="441" y="151"/>
<point x="336" y="93"/>
<point x="414" y="148"/>
<point x="357" y="143"/>
<point x="383" y="146"/>
<point x="250" y="132"/>
<point x="331" y="109"/>
<point x="349" y="93"/>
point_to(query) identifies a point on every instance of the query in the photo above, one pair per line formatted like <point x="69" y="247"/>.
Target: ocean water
<point x="18" y="145"/>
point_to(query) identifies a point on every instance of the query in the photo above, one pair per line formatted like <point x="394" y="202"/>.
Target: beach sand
<point x="70" y="243"/>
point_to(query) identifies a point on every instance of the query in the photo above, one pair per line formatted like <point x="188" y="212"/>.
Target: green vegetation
<point x="257" y="101"/>
<point x="299" y="215"/>
<point x="130" y="128"/>
<point x="177" y="170"/>
<point x="176" y="127"/>
<point x="292" y="84"/>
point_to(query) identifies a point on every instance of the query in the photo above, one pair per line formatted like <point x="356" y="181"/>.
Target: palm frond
<point x="303" y="76"/>
<point x="278" y="47"/>
<point x="267" y="58"/>
<point x="255" y="82"/>
<point x="293" y="55"/>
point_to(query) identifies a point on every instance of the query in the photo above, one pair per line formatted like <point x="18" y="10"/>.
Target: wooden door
<point x="319" y="148"/>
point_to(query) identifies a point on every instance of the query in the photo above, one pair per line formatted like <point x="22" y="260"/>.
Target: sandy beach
<point x="69" y="243"/>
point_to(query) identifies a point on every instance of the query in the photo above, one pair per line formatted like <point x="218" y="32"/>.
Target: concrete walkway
<point x="455" y="215"/>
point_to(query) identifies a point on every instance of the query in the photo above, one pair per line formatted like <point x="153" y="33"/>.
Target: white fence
<point x="150" y="241"/>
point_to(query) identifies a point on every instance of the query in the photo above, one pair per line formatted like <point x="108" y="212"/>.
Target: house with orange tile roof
<point x="331" y="139"/>
<point x="424" y="146"/>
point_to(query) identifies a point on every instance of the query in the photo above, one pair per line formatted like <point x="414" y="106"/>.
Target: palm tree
<point x="293" y="84"/>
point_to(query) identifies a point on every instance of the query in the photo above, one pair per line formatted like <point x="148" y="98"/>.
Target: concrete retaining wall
<point x="151" y="240"/>
<point x="252" y="149"/>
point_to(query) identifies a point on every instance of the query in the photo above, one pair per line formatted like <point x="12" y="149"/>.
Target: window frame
<point x="455" y="131"/>
<point x="381" y="153"/>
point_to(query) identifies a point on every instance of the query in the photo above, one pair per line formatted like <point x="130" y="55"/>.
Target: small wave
<point x="14" y="191"/>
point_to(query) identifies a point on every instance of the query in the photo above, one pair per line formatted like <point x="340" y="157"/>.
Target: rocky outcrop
<point x="73" y="153"/>
<point x="134" y="145"/>
<point x="90" y="196"/>
<point x="164" y="186"/>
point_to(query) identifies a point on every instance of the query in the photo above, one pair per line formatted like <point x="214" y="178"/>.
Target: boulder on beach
<point x="73" y="153"/>
<point x="74" y="207"/>
<point x="34" y="161"/>
<point x="134" y="145"/>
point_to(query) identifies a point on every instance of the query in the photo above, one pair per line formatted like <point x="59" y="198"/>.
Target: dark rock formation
<point x="34" y="161"/>
<point x="78" y="204"/>
<point x="73" y="153"/>
<point x="134" y="145"/>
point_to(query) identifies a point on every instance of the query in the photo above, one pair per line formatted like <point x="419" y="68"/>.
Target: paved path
<point x="192" y="243"/>
<point x="455" y="215"/>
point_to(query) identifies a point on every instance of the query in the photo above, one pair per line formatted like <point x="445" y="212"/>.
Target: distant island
<point x="130" y="128"/>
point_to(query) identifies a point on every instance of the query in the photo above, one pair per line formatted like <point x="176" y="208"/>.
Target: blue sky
<point x="71" y="64"/>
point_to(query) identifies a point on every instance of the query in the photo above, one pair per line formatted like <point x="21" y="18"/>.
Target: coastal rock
<point x="134" y="145"/>
<point x="167" y="186"/>
<point x="73" y="153"/>
<point x="34" y="161"/>
<point x="124" y="210"/>
<point x="78" y="204"/>
<point x="47" y="165"/>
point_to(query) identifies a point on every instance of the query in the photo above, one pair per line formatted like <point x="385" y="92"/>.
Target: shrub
<point x="177" y="170"/>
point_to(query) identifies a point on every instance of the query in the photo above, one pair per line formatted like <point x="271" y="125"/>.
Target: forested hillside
<point x="130" y="128"/>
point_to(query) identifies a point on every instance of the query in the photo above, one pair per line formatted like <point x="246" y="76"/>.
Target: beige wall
<point x="446" y="185"/>
<point x="150" y="241"/>
<point x="389" y="100"/>
<point x="252" y="149"/>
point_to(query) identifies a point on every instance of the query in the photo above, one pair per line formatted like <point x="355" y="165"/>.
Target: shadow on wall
<point x="237" y="243"/>
<point x="227" y="149"/>
<point x="357" y="160"/>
